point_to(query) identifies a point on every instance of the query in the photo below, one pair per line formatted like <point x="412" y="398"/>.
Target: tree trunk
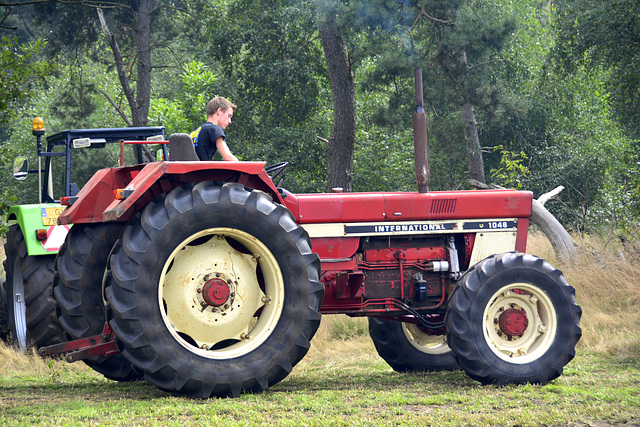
<point x="119" y="63"/>
<point x="139" y="99"/>
<point x="341" y="144"/>
<point x="472" y="140"/>
<point x="143" y="87"/>
<point x="476" y="164"/>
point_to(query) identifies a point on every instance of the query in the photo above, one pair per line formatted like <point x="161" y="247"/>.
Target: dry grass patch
<point x="15" y="363"/>
<point x="606" y="276"/>
<point x="333" y="353"/>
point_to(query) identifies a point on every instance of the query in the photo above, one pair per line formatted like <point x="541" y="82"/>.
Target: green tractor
<point x="28" y="308"/>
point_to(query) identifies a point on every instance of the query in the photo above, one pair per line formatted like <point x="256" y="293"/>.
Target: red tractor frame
<point x="206" y="279"/>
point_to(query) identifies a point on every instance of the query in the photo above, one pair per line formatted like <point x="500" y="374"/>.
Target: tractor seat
<point x="181" y="148"/>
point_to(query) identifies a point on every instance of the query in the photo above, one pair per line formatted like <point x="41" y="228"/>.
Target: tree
<point x="139" y="99"/>
<point x="351" y="33"/>
<point x="20" y="70"/>
<point x="564" y="124"/>
<point x="269" y="62"/>
<point x="131" y="45"/>
<point x="457" y="44"/>
<point x="462" y="42"/>
<point x="340" y="145"/>
<point x="603" y="35"/>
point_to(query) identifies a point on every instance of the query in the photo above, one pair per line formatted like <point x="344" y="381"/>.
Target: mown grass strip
<point x="361" y="391"/>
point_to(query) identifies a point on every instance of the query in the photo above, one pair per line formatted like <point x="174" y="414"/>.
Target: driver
<point x="210" y="136"/>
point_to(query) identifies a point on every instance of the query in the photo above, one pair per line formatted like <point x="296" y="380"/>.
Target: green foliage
<point x="457" y="44"/>
<point x="169" y="114"/>
<point x="6" y="200"/>
<point x="512" y="168"/>
<point x="583" y="150"/>
<point x="603" y="35"/>
<point x="384" y="152"/>
<point x="186" y="110"/>
<point x="598" y="41"/>
<point x="20" y="72"/>
<point x="197" y="80"/>
<point x="268" y="61"/>
<point x="270" y="51"/>
<point x="550" y="93"/>
<point x="564" y="124"/>
<point x="348" y="328"/>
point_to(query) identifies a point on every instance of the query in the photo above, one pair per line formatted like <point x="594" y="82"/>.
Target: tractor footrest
<point x="85" y="348"/>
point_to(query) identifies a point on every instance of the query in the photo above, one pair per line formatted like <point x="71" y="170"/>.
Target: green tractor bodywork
<point x="27" y="305"/>
<point x="34" y="217"/>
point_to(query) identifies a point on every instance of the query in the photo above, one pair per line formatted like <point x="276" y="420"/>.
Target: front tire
<point x="214" y="291"/>
<point x="31" y="307"/>
<point x="407" y="348"/>
<point x="513" y="319"/>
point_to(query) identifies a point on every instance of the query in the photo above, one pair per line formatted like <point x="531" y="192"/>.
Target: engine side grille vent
<point x="443" y="206"/>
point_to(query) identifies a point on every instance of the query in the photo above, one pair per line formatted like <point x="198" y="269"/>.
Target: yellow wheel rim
<point x="520" y="323"/>
<point x="221" y="293"/>
<point x="431" y="344"/>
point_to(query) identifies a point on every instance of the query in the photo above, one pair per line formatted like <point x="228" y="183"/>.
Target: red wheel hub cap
<point x="216" y="292"/>
<point x="514" y="322"/>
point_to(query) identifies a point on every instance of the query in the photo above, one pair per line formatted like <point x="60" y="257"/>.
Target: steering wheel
<point x="276" y="169"/>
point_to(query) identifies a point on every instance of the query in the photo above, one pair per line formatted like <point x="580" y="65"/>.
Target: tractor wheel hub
<point x="513" y="322"/>
<point x="216" y="292"/>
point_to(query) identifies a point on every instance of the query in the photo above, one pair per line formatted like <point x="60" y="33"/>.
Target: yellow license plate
<point x="50" y="215"/>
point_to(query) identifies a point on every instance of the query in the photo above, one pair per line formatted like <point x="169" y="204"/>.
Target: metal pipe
<point x="39" y="142"/>
<point x="421" y="138"/>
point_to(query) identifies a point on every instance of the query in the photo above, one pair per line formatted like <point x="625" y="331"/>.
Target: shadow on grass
<point x="98" y="389"/>
<point x="379" y="381"/>
<point x="90" y="388"/>
<point x="367" y="376"/>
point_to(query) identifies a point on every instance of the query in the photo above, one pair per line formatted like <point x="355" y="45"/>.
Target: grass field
<point x="342" y="381"/>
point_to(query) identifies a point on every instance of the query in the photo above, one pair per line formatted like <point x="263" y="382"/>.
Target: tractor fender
<point x="40" y="216"/>
<point x="97" y="201"/>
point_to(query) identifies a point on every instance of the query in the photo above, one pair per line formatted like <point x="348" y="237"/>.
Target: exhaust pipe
<point x="420" y="138"/>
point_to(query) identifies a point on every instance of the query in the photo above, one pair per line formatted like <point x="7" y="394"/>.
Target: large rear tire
<point x="513" y="319"/>
<point x="407" y="348"/>
<point x="214" y="291"/>
<point x="80" y="266"/>
<point x="31" y="307"/>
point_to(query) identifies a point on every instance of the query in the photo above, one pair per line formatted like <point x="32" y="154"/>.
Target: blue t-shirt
<point x="204" y="140"/>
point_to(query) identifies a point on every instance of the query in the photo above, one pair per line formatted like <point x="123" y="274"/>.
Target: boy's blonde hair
<point x="219" y="102"/>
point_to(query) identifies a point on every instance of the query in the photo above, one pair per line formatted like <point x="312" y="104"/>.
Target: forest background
<point x="525" y="94"/>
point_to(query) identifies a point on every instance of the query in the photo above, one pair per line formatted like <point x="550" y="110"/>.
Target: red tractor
<point x="207" y="279"/>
